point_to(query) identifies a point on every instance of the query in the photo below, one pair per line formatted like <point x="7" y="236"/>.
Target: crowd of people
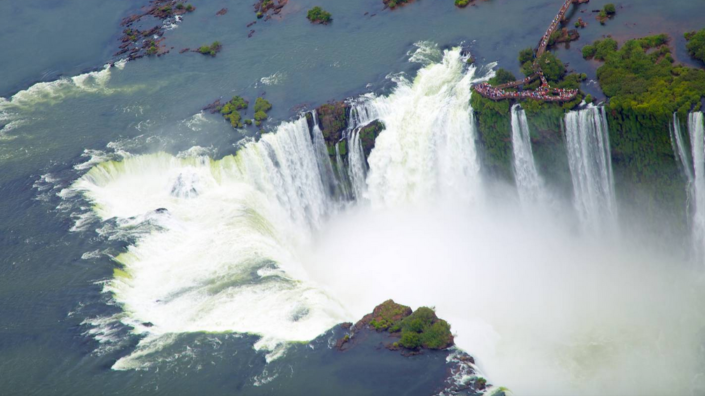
<point x="554" y="24"/>
<point x="544" y="92"/>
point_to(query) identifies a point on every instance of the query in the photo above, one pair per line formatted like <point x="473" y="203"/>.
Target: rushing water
<point x="589" y="156"/>
<point x="695" y="129"/>
<point x="218" y="249"/>
<point x="139" y="232"/>
<point x="528" y="181"/>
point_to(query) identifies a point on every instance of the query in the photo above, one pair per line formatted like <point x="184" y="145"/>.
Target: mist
<point x="543" y="308"/>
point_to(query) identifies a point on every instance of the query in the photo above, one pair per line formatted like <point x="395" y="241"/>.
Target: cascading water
<point x="695" y="129"/>
<point x="427" y="149"/>
<point x="589" y="158"/>
<point x="357" y="166"/>
<point x="680" y="150"/>
<point x="220" y="251"/>
<point x="341" y="173"/>
<point x="325" y="168"/>
<point x="529" y="184"/>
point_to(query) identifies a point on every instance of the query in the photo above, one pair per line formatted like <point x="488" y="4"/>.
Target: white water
<point x="695" y="129"/>
<point x="529" y="184"/>
<point x="589" y="157"/>
<point x="222" y="256"/>
<point x="680" y="150"/>
<point x="357" y="167"/>
<point x="427" y="148"/>
<point x="544" y="312"/>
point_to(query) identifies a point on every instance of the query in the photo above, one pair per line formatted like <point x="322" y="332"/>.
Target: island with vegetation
<point x="319" y="15"/>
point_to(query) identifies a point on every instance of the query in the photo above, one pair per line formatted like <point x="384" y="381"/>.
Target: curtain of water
<point x="695" y="129"/>
<point x="590" y="164"/>
<point x="529" y="183"/>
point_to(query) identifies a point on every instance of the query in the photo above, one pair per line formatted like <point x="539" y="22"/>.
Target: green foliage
<point x="388" y="314"/>
<point x="423" y="328"/>
<point x="410" y="340"/>
<point x="528" y="68"/>
<point x="234" y="119"/>
<point x="189" y="8"/>
<point x="259" y="15"/>
<point x="494" y="130"/>
<point x="589" y="51"/>
<point x="696" y="45"/>
<point x="318" y="14"/>
<point x="262" y="105"/>
<point x="462" y="3"/>
<point x="502" y="77"/>
<point x="554" y="37"/>
<point x="260" y="116"/>
<point x="152" y="49"/>
<point x="368" y="135"/>
<point x="211" y="50"/>
<point x="599" y="49"/>
<point x="589" y="99"/>
<point x="526" y="55"/>
<point x="248" y="122"/>
<point x="553" y="68"/>
<point x="180" y="6"/>
<point x="610" y="9"/>
<point x="645" y="89"/>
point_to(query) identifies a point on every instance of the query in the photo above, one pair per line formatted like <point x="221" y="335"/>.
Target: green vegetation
<point x="423" y="328"/>
<point x="502" y="77"/>
<point x="599" y="49"/>
<point x="152" y="48"/>
<point x="180" y="6"/>
<point x="553" y="68"/>
<point x="645" y="88"/>
<point x="388" y="314"/>
<point x="189" y="8"/>
<point x="368" y="135"/>
<point x="263" y="105"/>
<point x="259" y="15"/>
<point x="696" y="44"/>
<point x="394" y="3"/>
<point x="462" y="3"/>
<point x="230" y="111"/>
<point x="526" y="55"/>
<point x="318" y="14"/>
<point x="420" y="328"/>
<point x="211" y="50"/>
<point x="609" y="9"/>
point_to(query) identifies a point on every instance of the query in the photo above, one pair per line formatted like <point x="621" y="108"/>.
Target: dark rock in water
<point x="252" y="32"/>
<point x="162" y="210"/>
<point x="414" y="333"/>
<point x="222" y="11"/>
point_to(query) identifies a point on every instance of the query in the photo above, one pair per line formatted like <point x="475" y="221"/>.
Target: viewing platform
<point x="545" y="92"/>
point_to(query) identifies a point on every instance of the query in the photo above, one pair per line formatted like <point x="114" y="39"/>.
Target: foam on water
<point x="427" y="148"/>
<point x="219" y="250"/>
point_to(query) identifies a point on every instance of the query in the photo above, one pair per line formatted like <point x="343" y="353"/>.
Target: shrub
<point x="462" y="3"/>
<point x="553" y="68"/>
<point x="260" y="116"/>
<point x="262" y="105"/>
<point x="180" y="6"/>
<point x="502" y="77"/>
<point x="211" y="50"/>
<point x="589" y="51"/>
<point x="318" y="14"/>
<point x="410" y="340"/>
<point x="588" y="99"/>
<point x="189" y="8"/>
<point x="696" y="45"/>
<point x="234" y="119"/>
<point x="526" y="55"/>
<point x="610" y="9"/>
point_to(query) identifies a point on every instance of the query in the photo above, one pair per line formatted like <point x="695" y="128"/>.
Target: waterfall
<point x="528" y="181"/>
<point x="427" y="149"/>
<point x="589" y="158"/>
<point x="325" y="168"/>
<point x="357" y="167"/>
<point x="680" y="150"/>
<point x="695" y="129"/>
<point x="217" y="241"/>
<point x="342" y="175"/>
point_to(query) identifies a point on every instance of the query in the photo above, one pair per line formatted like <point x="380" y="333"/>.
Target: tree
<point x="318" y="14"/>
<point x="610" y="9"/>
<point x="696" y="45"/>
<point x="502" y="77"/>
<point x="526" y="55"/>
